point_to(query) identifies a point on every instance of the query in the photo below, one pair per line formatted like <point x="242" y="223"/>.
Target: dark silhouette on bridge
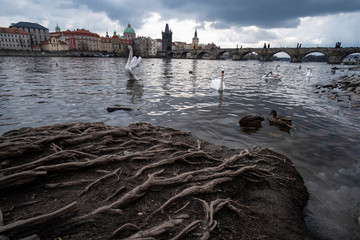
<point x="334" y="55"/>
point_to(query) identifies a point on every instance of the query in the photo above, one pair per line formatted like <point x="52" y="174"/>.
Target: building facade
<point x="38" y="33"/>
<point x="79" y="40"/>
<point x="116" y="43"/>
<point x="53" y="44"/>
<point x="145" y="47"/>
<point x="167" y="39"/>
<point x="66" y="36"/>
<point x="15" y="39"/>
<point x="106" y="44"/>
<point x="86" y="40"/>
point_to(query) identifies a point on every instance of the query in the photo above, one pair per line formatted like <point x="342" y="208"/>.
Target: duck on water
<point x="284" y="123"/>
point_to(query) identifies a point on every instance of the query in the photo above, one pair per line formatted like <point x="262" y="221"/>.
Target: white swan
<point x="218" y="84"/>
<point x="133" y="66"/>
<point x="309" y="73"/>
<point x="272" y="76"/>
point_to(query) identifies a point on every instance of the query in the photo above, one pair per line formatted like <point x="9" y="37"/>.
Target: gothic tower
<point x="167" y="39"/>
<point x="195" y="41"/>
<point x="195" y="38"/>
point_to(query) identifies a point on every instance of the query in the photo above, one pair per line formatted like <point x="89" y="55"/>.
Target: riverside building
<point x="38" y="33"/>
<point x="14" y="39"/>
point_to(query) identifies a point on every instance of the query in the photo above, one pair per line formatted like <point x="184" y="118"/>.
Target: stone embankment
<point x="345" y="89"/>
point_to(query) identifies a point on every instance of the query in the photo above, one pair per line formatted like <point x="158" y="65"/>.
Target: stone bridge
<point x="335" y="55"/>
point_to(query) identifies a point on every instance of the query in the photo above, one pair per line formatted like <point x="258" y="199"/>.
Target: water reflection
<point x="324" y="144"/>
<point x="136" y="89"/>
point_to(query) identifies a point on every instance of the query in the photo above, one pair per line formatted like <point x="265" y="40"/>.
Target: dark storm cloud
<point x="125" y="10"/>
<point x="261" y="13"/>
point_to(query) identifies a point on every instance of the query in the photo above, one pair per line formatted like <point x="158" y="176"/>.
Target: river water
<point x="324" y="145"/>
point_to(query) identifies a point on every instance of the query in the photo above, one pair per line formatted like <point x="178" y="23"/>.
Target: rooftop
<point x="13" y="31"/>
<point x="129" y="29"/>
<point x="28" y="25"/>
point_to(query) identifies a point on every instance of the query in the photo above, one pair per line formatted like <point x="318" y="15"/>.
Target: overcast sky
<point x="227" y="23"/>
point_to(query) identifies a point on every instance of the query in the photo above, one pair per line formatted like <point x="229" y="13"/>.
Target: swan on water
<point x="309" y="73"/>
<point x="218" y="84"/>
<point x="133" y="66"/>
<point x="272" y="75"/>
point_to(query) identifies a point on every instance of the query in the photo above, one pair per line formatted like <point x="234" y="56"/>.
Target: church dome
<point x="129" y="29"/>
<point x="57" y="28"/>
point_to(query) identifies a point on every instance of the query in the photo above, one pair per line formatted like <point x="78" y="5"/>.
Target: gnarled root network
<point x="89" y="180"/>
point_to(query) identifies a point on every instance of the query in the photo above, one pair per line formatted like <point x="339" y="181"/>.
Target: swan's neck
<point x="130" y="55"/>
<point x="221" y="87"/>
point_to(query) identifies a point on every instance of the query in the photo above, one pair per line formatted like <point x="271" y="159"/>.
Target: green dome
<point x="129" y="29"/>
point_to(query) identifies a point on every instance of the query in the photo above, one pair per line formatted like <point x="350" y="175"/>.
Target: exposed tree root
<point x="38" y="220"/>
<point x="20" y="178"/>
<point x="159" y="229"/>
<point x="143" y="182"/>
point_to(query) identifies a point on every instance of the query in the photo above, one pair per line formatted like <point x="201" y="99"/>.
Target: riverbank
<point x="90" y="180"/>
<point x="52" y="54"/>
<point x="345" y="90"/>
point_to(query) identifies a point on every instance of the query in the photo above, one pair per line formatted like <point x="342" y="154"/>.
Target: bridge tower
<point x="195" y="41"/>
<point x="167" y="39"/>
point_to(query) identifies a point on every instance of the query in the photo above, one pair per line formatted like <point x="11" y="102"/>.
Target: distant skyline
<point x="227" y="23"/>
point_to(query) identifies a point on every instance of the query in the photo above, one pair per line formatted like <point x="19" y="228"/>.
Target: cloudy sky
<point x="227" y="23"/>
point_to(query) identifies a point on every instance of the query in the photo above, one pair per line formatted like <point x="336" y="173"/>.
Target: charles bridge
<point x="334" y="55"/>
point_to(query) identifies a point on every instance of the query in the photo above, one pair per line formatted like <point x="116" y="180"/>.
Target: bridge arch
<point x="244" y="55"/>
<point x="250" y="55"/>
<point x="281" y="51"/>
<point x="351" y="58"/>
<point x="201" y="54"/>
<point x="315" y="56"/>
<point x="184" y="54"/>
<point x="220" y="54"/>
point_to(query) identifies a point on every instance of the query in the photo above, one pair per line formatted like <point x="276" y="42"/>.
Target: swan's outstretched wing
<point x="133" y="61"/>
<point x="136" y="67"/>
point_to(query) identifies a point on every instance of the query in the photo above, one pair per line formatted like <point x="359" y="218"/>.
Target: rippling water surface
<point x="324" y="146"/>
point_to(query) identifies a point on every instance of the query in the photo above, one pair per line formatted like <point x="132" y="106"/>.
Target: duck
<point x="280" y="121"/>
<point x="251" y="121"/>
<point x="218" y="84"/>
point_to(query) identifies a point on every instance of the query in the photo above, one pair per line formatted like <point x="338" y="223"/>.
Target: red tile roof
<point x="84" y="32"/>
<point x="13" y="31"/>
